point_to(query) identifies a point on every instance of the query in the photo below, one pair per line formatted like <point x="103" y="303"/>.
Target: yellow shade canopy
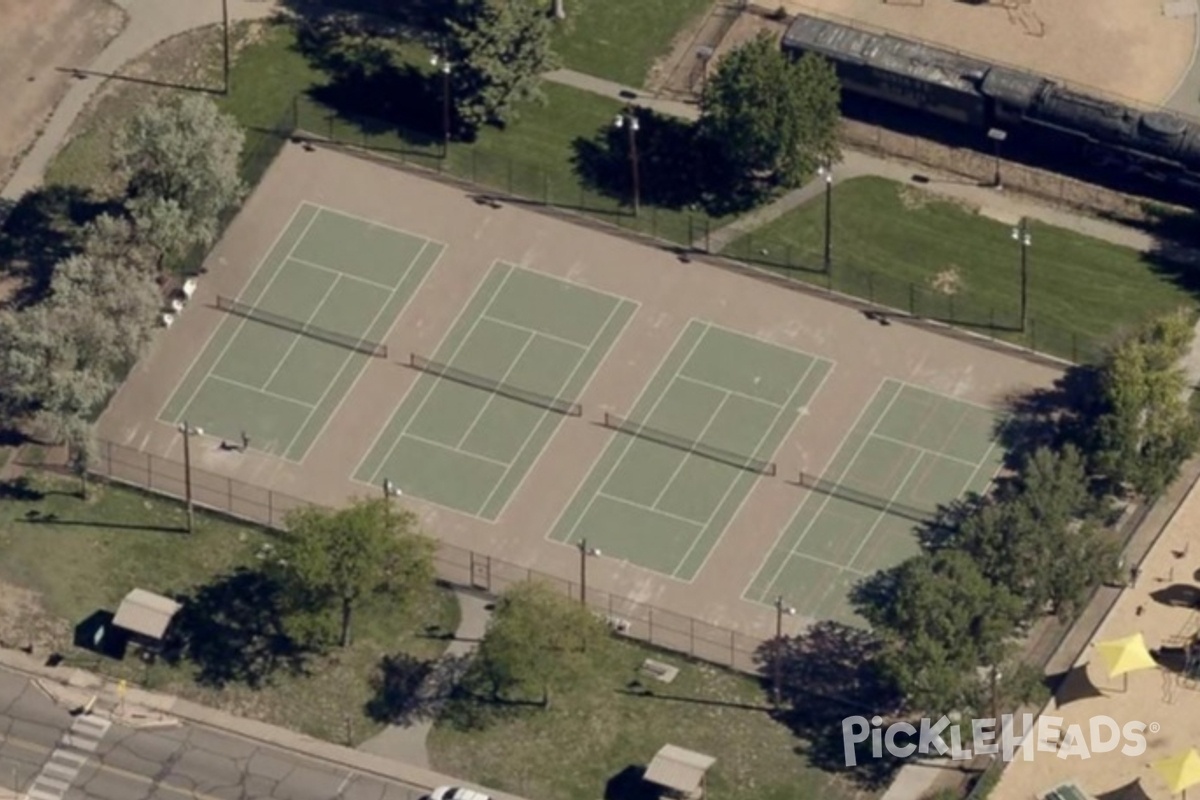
<point x="1180" y="771"/>
<point x="1126" y="655"/>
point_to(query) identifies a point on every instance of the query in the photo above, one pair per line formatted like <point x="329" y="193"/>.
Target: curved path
<point x="150" y="22"/>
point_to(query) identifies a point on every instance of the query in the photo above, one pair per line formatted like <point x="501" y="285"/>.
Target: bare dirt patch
<point x="35" y="40"/>
<point x="25" y="624"/>
<point x="1121" y="48"/>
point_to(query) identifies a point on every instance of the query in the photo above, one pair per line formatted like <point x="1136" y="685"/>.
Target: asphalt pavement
<point x="49" y="753"/>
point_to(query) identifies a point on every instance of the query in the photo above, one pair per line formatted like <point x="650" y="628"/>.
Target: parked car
<point x="456" y="793"/>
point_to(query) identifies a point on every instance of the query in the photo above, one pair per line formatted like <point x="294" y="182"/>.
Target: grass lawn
<point x="82" y="557"/>
<point x="596" y="730"/>
<point x="949" y="262"/>
<point x="621" y="40"/>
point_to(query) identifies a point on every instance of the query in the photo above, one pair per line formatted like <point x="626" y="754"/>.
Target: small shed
<point x="146" y="617"/>
<point x="681" y="772"/>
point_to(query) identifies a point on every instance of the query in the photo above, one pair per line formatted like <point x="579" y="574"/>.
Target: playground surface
<point x="1135" y="51"/>
<point x="552" y="394"/>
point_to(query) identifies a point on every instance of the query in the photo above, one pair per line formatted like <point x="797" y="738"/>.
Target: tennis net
<point x="288" y="324"/>
<point x="863" y="498"/>
<point x="687" y="445"/>
<point x="497" y="387"/>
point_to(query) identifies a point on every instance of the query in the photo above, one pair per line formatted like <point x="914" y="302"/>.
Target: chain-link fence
<point x="454" y="565"/>
<point x="518" y="179"/>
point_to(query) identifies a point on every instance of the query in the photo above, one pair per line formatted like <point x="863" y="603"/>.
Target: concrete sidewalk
<point x="150" y="22"/>
<point x="407" y="742"/>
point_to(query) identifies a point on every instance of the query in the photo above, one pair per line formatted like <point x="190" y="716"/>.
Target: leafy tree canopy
<point x="334" y="560"/>
<point x="774" y="119"/>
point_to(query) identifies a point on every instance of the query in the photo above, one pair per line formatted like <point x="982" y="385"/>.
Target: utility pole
<point x="777" y="660"/>
<point x="1024" y="239"/>
<point x="626" y="119"/>
<point x="584" y="553"/>
<point x="188" y="432"/>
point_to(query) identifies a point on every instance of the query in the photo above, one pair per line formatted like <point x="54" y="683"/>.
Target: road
<point x="51" y="755"/>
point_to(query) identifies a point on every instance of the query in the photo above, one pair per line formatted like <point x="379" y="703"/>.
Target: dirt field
<point x="35" y="38"/>
<point x="1127" y="49"/>
<point x="669" y="294"/>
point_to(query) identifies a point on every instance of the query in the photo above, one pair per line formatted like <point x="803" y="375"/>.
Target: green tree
<point x="1145" y="430"/>
<point x="1037" y="538"/>
<point x="537" y="639"/>
<point x="334" y="560"/>
<point x="773" y="119"/>
<point x="940" y="620"/>
<point x="180" y="156"/>
<point x="499" y="50"/>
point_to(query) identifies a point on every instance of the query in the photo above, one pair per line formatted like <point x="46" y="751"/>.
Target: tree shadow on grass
<point x="407" y="689"/>
<point x="423" y="18"/>
<point x="42" y="229"/>
<point x="826" y="675"/>
<point x="675" y="165"/>
<point x="233" y="631"/>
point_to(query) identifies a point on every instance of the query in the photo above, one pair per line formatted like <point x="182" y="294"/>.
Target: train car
<point x="979" y="95"/>
<point x="895" y="70"/>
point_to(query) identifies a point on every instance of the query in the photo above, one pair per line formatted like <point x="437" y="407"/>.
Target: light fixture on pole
<point x="997" y="136"/>
<point x="1022" y="236"/>
<point x="629" y="122"/>
<point x="827" y="173"/>
<point x="188" y="432"/>
<point x="777" y="661"/>
<point x="584" y="553"/>
<point x="446" y="67"/>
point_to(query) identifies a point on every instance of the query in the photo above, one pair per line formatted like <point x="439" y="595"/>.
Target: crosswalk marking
<point x="65" y="763"/>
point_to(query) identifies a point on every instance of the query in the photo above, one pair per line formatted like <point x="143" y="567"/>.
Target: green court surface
<point x="468" y="448"/>
<point x="327" y="270"/>
<point x="911" y="451"/>
<point x="665" y="507"/>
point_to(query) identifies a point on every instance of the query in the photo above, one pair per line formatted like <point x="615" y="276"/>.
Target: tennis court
<point x="682" y="464"/>
<point x="910" y="451"/>
<point x="314" y="313"/>
<point x="487" y="402"/>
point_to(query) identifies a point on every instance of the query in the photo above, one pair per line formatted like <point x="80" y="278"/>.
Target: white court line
<point x="242" y="323"/>
<point x="990" y="409"/>
<point x="452" y="449"/>
<point x="250" y="388"/>
<point x="453" y="325"/>
<point x="778" y="415"/>
<point x="733" y="392"/>
<point x="642" y="507"/>
<point x="387" y="335"/>
<point x="828" y="498"/>
<point x="535" y="331"/>
<point x="699" y="438"/>
<point x="261" y="262"/>
<point x="926" y="450"/>
<point x="296" y="339"/>
<point x="564" y="279"/>
<point x="450" y="361"/>
<point x="883" y="513"/>
<point x="492" y="396"/>
<point x="374" y="223"/>
<point x="579" y="486"/>
<point x="344" y="274"/>
<point x="629" y="440"/>
<point x="838" y="567"/>
<point x="566" y="383"/>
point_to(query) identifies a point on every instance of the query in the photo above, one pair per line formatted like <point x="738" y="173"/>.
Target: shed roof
<point x="679" y="769"/>
<point x="146" y="613"/>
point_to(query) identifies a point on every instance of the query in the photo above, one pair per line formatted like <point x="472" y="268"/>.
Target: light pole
<point x="777" y="661"/>
<point x="225" y="35"/>
<point x="584" y="553"/>
<point x="188" y="432"/>
<point x="1024" y="239"/>
<point x="997" y="136"/>
<point x="447" y="67"/>
<point x="627" y="120"/>
<point x="827" y="173"/>
<point x="390" y="490"/>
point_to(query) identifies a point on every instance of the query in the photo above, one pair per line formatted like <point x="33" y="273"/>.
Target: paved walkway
<point x="407" y="742"/>
<point x="150" y="22"/>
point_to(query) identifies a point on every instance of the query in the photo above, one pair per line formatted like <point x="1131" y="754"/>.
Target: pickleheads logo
<point x="1100" y="734"/>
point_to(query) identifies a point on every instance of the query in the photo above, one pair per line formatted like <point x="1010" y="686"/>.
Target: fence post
<point x="545" y="189"/>
<point x="732" y="647"/>
<point x="788" y="256"/>
<point x="510" y="189"/>
<point x="707" y="235"/>
<point x="271" y="508"/>
<point x="912" y="299"/>
<point x="108" y="458"/>
<point x="651" y="626"/>
<point x="474" y="166"/>
<point x="229" y="494"/>
<point x="149" y="472"/>
<point x="691" y="230"/>
<point x="691" y="636"/>
<point x="295" y="111"/>
<point x="871" y="286"/>
<point x="329" y="120"/>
